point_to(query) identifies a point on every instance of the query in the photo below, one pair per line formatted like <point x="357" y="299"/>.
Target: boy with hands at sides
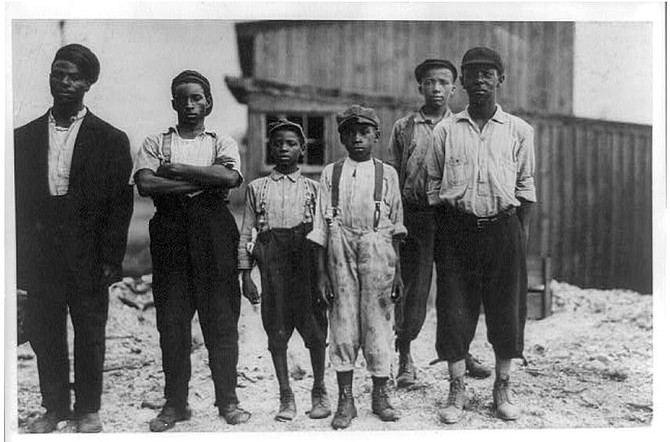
<point x="358" y="225"/>
<point x="279" y="212"/>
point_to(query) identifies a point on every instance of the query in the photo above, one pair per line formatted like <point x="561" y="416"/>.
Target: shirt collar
<point x="499" y="116"/>
<point x="277" y="175"/>
<point x="355" y="164"/>
<point x="81" y="114"/>
<point x="172" y="129"/>
<point x="419" y="116"/>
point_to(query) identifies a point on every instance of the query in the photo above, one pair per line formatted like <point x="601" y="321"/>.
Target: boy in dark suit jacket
<point x="73" y="208"/>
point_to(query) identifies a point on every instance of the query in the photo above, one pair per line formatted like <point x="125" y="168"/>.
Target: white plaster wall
<point x="138" y="60"/>
<point x="613" y="71"/>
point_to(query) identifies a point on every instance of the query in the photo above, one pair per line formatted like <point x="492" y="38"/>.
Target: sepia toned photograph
<point x="355" y="218"/>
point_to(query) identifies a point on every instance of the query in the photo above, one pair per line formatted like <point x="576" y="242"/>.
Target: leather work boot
<point x="233" y="414"/>
<point x="320" y="403"/>
<point x="406" y="371"/>
<point x="475" y="369"/>
<point x="168" y="417"/>
<point x="346" y="410"/>
<point x="381" y="406"/>
<point x="47" y="423"/>
<point x="502" y="403"/>
<point x="89" y="423"/>
<point x="456" y="402"/>
<point x="287" y="408"/>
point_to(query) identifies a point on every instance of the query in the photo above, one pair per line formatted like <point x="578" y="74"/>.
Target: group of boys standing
<point x="346" y="260"/>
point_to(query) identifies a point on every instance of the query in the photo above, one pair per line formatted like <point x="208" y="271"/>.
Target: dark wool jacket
<point x="100" y="200"/>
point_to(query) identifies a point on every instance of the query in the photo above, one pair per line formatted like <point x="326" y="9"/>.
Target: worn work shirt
<point x="482" y="173"/>
<point x="413" y="188"/>
<point x="357" y="207"/>
<point x="61" y="147"/>
<point x="275" y="201"/>
<point x="206" y="149"/>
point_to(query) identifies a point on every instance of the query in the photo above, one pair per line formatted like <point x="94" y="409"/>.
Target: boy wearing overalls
<point x="358" y="224"/>
<point x="279" y="209"/>
<point x="188" y="172"/>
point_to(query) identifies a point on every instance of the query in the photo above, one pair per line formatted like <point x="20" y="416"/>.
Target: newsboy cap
<point x="287" y="125"/>
<point x="482" y="55"/>
<point x="357" y="114"/>
<point x="190" y="76"/>
<point x="83" y="58"/>
<point x="421" y="69"/>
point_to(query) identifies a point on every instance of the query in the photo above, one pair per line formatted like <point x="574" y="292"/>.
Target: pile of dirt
<point x="587" y="365"/>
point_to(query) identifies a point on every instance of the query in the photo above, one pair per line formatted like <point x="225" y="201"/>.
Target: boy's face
<point x="190" y="103"/>
<point x="359" y="139"/>
<point x="286" y="147"/>
<point x="437" y="86"/>
<point x="67" y="83"/>
<point x="481" y="82"/>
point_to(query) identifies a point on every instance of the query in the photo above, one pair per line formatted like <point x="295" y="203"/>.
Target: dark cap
<point x="287" y="125"/>
<point x="189" y="76"/>
<point x="83" y="58"/>
<point x="483" y="55"/>
<point x="421" y="69"/>
<point x="357" y="114"/>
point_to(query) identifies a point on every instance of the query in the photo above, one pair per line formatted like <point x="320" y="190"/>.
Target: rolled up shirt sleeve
<point x="148" y="157"/>
<point x="228" y="155"/>
<point x="319" y="233"/>
<point x="435" y="164"/>
<point x="525" y="181"/>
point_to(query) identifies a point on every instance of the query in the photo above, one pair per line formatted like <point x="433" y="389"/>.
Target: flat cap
<point x="357" y="114"/>
<point x="83" y="58"/>
<point x="288" y="125"/>
<point x="482" y="55"/>
<point x="421" y="69"/>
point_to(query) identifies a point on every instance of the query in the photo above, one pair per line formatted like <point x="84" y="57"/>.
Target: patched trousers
<point x="361" y="265"/>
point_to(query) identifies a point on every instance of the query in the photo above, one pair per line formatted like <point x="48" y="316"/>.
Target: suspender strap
<point x="335" y="186"/>
<point x="166" y="148"/>
<point x="379" y="182"/>
<point x="408" y="135"/>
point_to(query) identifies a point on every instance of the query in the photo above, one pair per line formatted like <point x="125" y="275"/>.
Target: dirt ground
<point x="589" y="365"/>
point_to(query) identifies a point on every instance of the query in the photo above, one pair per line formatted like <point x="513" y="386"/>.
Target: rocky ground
<point x="589" y="365"/>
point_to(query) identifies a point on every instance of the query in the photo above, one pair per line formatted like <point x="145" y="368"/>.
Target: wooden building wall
<point x="379" y="56"/>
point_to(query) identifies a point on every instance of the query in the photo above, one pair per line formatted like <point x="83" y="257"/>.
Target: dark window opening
<point x="246" y="48"/>
<point x="314" y="128"/>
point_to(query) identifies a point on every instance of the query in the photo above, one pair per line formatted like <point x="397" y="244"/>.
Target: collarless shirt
<point x="357" y="206"/>
<point x="272" y="202"/>
<point x="482" y="172"/>
<point x="61" y="148"/>
<point x="206" y="149"/>
<point x="413" y="189"/>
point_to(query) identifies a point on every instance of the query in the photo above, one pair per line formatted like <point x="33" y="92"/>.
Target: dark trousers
<point x="56" y="290"/>
<point x="416" y="260"/>
<point x="193" y="246"/>
<point x="287" y="264"/>
<point x="476" y="266"/>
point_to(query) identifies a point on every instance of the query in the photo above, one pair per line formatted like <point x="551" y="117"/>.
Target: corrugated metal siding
<point x="380" y="56"/>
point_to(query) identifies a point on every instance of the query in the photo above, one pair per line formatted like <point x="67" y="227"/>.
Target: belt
<point x="480" y="223"/>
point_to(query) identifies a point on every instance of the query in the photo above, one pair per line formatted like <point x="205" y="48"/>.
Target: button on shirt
<point x="275" y="201"/>
<point x="482" y="173"/>
<point x="206" y="149"/>
<point x="61" y="147"/>
<point x="357" y="207"/>
<point x="414" y="185"/>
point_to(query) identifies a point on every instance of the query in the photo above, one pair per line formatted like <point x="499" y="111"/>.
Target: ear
<point x="501" y="79"/>
<point x="420" y="88"/>
<point x="174" y="104"/>
<point x="87" y="85"/>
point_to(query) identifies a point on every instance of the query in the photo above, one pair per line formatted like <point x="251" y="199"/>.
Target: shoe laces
<point x="456" y="387"/>
<point x="502" y="389"/>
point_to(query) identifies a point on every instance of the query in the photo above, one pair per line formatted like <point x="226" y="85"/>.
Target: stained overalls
<point x="361" y="265"/>
<point x="193" y="250"/>
<point x="287" y="263"/>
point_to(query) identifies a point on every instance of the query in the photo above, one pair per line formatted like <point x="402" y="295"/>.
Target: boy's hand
<point x="326" y="295"/>
<point x="170" y="170"/>
<point x="249" y="289"/>
<point x="398" y="287"/>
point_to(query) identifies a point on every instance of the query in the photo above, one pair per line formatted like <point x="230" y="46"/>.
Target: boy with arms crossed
<point x="188" y="172"/>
